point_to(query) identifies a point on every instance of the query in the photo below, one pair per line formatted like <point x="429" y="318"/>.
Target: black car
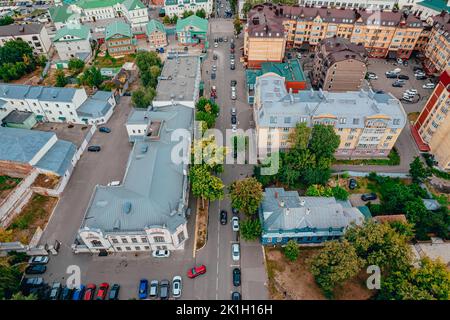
<point x="104" y="129"/>
<point x="214" y="56"/>
<point x="66" y="293"/>
<point x="114" y="292"/>
<point x="94" y="148"/>
<point x="352" y="184"/>
<point x="235" y="296"/>
<point x="164" y="289"/>
<point x="391" y="76"/>
<point x="233" y="120"/>
<point x="36" y="269"/>
<point x="213" y="75"/>
<point x="397" y="85"/>
<point x="403" y="76"/>
<point x="417" y="69"/>
<point x="233" y="83"/>
<point x="232" y="45"/>
<point x="369" y="196"/>
<point x="421" y="77"/>
<point x="236" y="277"/>
<point x="232" y="56"/>
<point x="232" y="66"/>
<point x="223" y="217"/>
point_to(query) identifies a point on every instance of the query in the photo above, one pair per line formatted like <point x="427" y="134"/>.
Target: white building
<point x="430" y="8"/>
<point x="177" y="7"/>
<point x="73" y="41"/>
<point x="34" y="34"/>
<point x="51" y="104"/>
<point x="370" y="4"/>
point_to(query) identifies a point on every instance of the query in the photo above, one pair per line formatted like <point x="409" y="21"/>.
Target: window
<point x="124" y="240"/>
<point x="273" y="119"/>
<point x="355" y="121"/>
<point x="134" y="240"/>
<point x="158" y="239"/>
<point x="128" y="248"/>
<point x="114" y="240"/>
<point x="181" y="237"/>
<point x="396" y="122"/>
<point x="96" y="243"/>
<point x="119" y="249"/>
<point x="144" y="239"/>
<point x="342" y="120"/>
<point x="287" y="119"/>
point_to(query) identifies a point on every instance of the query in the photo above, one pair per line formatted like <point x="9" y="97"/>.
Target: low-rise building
<point x="339" y="65"/>
<point x="429" y="8"/>
<point x="156" y="34"/>
<point x="178" y="7"/>
<point x="19" y="119"/>
<point x="73" y="41"/>
<point x="285" y="216"/>
<point x="34" y="34"/>
<point x="367" y="123"/>
<point x="192" y="30"/>
<point x="432" y="128"/>
<point x="62" y="15"/>
<point x="437" y="50"/>
<point x="119" y="39"/>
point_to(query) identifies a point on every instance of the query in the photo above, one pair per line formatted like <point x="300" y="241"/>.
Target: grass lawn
<point x="7" y="182"/>
<point x="393" y="160"/>
<point x="111" y="62"/>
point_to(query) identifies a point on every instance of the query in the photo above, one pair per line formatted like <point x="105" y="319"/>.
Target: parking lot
<point x="74" y="133"/>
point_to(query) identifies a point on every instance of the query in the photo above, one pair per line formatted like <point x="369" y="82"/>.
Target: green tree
<point x="201" y="13"/>
<point x="207" y="152"/>
<point x="42" y="60"/>
<point x="237" y="25"/>
<point x="188" y="13"/>
<point x="317" y="190"/>
<point x="316" y="176"/>
<point x="299" y="138"/>
<point x="208" y="118"/>
<point x="61" y="80"/>
<point x="340" y="193"/>
<point x="418" y="171"/>
<point x="91" y="77"/>
<point x="291" y="250"/>
<point x="324" y="141"/>
<point x="246" y="195"/>
<point x="9" y="281"/>
<point x="17" y="51"/>
<point x="6" y="20"/>
<point x="166" y="20"/>
<point x="6" y="235"/>
<point x="143" y="97"/>
<point x="76" y="65"/>
<point x="205" y="105"/>
<point x="21" y="296"/>
<point x="174" y="19"/>
<point x="250" y="229"/>
<point x="205" y="185"/>
<point x="334" y="264"/>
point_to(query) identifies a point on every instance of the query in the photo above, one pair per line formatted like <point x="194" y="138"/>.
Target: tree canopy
<point x="143" y="97"/>
<point x="250" y="229"/>
<point x="204" y="184"/>
<point x="91" y="77"/>
<point x="246" y="195"/>
<point x="418" y="171"/>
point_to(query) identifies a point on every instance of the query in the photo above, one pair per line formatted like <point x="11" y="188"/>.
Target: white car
<point x="413" y="91"/>
<point x="176" y="286"/>
<point x="233" y="128"/>
<point x="428" y="86"/>
<point x="299" y="55"/>
<point x="235" y="251"/>
<point x="214" y="68"/>
<point x="233" y="95"/>
<point x="372" y="77"/>
<point x="38" y="260"/>
<point x="216" y="45"/>
<point x="161" y="253"/>
<point x="235" y="223"/>
<point x="114" y="184"/>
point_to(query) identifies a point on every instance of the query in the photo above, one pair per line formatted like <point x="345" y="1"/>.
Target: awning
<point x="62" y="118"/>
<point x="39" y="117"/>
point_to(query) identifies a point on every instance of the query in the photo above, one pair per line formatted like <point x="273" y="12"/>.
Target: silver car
<point x="235" y="251"/>
<point x="38" y="260"/>
<point x="235" y="223"/>
<point x="176" y="286"/>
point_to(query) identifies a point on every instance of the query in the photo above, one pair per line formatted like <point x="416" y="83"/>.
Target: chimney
<point x="287" y="211"/>
<point x="282" y="203"/>
<point x="276" y="194"/>
<point x="308" y="211"/>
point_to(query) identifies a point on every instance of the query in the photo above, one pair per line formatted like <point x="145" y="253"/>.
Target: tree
<point x="6" y="235"/>
<point x="174" y="19"/>
<point x="204" y="184"/>
<point x="299" y="138"/>
<point x="149" y="65"/>
<point x="205" y="105"/>
<point x="334" y="264"/>
<point x="17" y="51"/>
<point x="91" y="77"/>
<point x="207" y="152"/>
<point x="41" y="60"/>
<point x="61" y="80"/>
<point x="316" y="176"/>
<point x="237" y="25"/>
<point x="418" y="171"/>
<point x="340" y="193"/>
<point x="76" y="65"/>
<point x="201" y="13"/>
<point x="6" y="20"/>
<point x="208" y="118"/>
<point x="246" y="195"/>
<point x="166" y="20"/>
<point x="324" y="141"/>
<point x="187" y="13"/>
<point x="9" y="281"/>
<point x="250" y="229"/>
<point x="142" y="98"/>
<point x="317" y="190"/>
<point x="291" y="250"/>
<point x="21" y="296"/>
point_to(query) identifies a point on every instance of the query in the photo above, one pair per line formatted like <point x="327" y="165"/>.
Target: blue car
<point x="143" y="289"/>
<point x="104" y="129"/>
<point x="79" y="293"/>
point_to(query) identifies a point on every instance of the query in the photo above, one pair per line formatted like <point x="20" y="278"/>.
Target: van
<point x="114" y="184"/>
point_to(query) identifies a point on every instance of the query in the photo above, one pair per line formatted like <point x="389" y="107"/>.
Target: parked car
<point x="232" y="66"/>
<point x="352" y="184"/>
<point x="94" y="148"/>
<point x="114" y="292"/>
<point x="235" y="251"/>
<point x="55" y="291"/>
<point x="233" y="95"/>
<point x="102" y="291"/>
<point x="372" y="76"/>
<point x="176" y="286"/>
<point x="424" y="77"/>
<point x="233" y="120"/>
<point x="369" y="196"/>
<point x="235" y="296"/>
<point x="143" y="288"/>
<point x="233" y="111"/>
<point x="104" y="129"/>
<point x="216" y="45"/>
<point x="223" y="217"/>
<point x="411" y="91"/>
<point x="232" y="56"/>
<point x="35" y="269"/>
<point x="196" y="271"/>
<point x="417" y="69"/>
<point x="154" y="284"/>
<point x="233" y="83"/>
<point x="164" y="290"/>
<point x="235" y="223"/>
<point x="215" y="56"/>
<point x="66" y="293"/>
<point x="89" y="292"/>
<point x="391" y="76"/>
<point x="79" y="293"/>
<point x="236" y="277"/>
<point x="38" y="260"/>
<point x="397" y="85"/>
<point x="214" y="68"/>
<point x="233" y="128"/>
<point x="161" y="253"/>
<point x="232" y="45"/>
<point x="428" y="85"/>
<point x="403" y="77"/>
<point x="33" y="282"/>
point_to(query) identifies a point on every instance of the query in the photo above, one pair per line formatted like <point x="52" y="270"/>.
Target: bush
<point x="340" y="193"/>
<point x="251" y="229"/>
<point x="291" y="250"/>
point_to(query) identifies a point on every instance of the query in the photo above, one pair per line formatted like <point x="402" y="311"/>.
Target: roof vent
<point x="144" y="149"/>
<point x="126" y="208"/>
<point x="116" y="226"/>
<point x="282" y="203"/>
<point x="302" y="203"/>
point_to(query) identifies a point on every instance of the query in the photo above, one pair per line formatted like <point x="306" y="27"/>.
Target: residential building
<point x="156" y="34"/>
<point x="34" y="34"/>
<point x="192" y="30"/>
<point x="350" y="4"/>
<point x="437" y="51"/>
<point x="51" y="104"/>
<point x="429" y="8"/>
<point x="62" y="15"/>
<point x="270" y="28"/>
<point x="432" y="128"/>
<point x="177" y="7"/>
<point x="135" y="12"/>
<point x="339" y="65"/>
<point x="73" y="41"/>
<point x="148" y="210"/>
<point x="367" y="123"/>
<point x="19" y="119"/>
<point x="285" y="216"/>
<point x="119" y="39"/>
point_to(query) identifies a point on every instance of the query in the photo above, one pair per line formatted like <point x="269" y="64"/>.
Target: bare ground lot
<point x="293" y="280"/>
<point x="7" y="185"/>
<point x="74" y="133"/>
<point x="46" y="181"/>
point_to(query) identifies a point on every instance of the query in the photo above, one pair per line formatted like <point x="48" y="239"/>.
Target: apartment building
<point x="383" y="33"/>
<point x="119" y="39"/>
<point x="73" y="41"/>
<point x="429" y="8"/>
<point x="437" y="51"/>
<point x="156" y="34"/>
<point x="34" y="34"/>
<point x="432" y="129"/>
<point x="350" y="4"/>
<point x="177" y="7"/>
<point x="51" y="104"/>
<point x="367" y="123"/>
<point x="339" y="65"/>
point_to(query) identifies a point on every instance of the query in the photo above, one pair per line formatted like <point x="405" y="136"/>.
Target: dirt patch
<point x="7" y="185"/>
<point x="35" y="214"/>
<point x="46" y="181"/>
<point x="294" y="281"/>
<point x="412" y="116"/>
<point x="201" y="226"/>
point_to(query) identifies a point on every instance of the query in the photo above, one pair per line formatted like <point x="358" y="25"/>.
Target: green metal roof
<point x="250" y="76"/>
<point x="60" y="13"/>
<point x="194" y="23"/>
<point x="92" y="4"/>
<point x="80" y="32"/>
<point x="118" y="27"/>
<point x="437" y="5"/>
<point x="133" y="4"/>
<point x="154" y="25"/>
<point x="291" y="70"/>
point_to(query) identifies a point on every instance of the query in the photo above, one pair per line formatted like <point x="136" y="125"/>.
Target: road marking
<point x="235" y="265"/>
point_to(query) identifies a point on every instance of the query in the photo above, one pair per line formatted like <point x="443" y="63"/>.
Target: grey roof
<point x="287" y="211"/>
<point x="18" y="117"/>
<point x="431" y="204"/>
<point x="22" y="145"/>
<point x="153" y="185"/>
<point x="278" y="104"/>
<point x="138" y="117"/>
<point x="96" y="106"/>
<point x="57" y="94"/>
<point x="20" y="29"/>
<point x="58" y="158"/>
<point x="16" y="91"/>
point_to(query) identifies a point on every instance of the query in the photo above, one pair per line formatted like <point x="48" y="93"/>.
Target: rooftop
<point x="76" y="31"/>
<point x="18" y="91"/>
<point x="60" y="13"/>
<point x="17" y="117"/>
<point x="58" y="158"/>
<point x="20" y="29"/>
<point x="337" y="49"/>
<point x="96" y="106"/>
<point x="437" y="5"/>
<point x="154" y="25"/>
<point x="193" y="23"/>
<point x="118" y="28"/>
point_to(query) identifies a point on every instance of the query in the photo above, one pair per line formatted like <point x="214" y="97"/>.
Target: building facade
<point x="73" y="42"/>
<point x="339" y="65"/>
<point x="192" y="30"/>
<point x="177" y="7"/>
<point x="156" y="34"/>
<point x="432" y="128"/>
<point x="350" y="4"/>
<point x="367" y="123"/>
<point x="429" y="8"/>
<point x="119" y="39"/>
<point x="34" y="34"/>
<point x="437" y="50"/>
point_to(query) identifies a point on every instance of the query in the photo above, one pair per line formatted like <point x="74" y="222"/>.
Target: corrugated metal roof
<point x="58" y="158"/>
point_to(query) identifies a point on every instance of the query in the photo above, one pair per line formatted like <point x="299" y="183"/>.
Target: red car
<point x="90" y="291"/>
<point x="196" y="271"/>
<point x="102" y="291"/>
